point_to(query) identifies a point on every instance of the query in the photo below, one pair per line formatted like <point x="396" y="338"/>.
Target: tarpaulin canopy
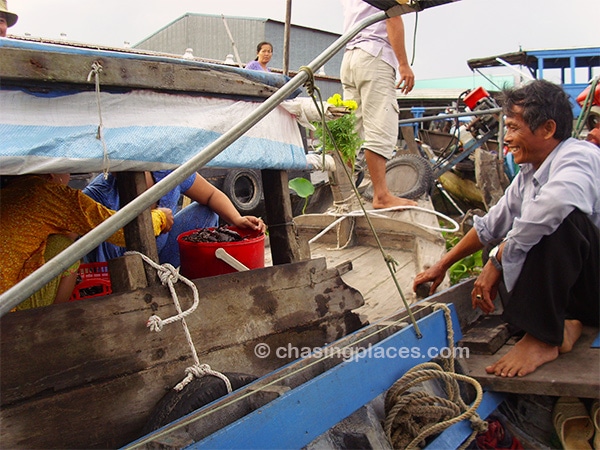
<point x="53" y="120"/>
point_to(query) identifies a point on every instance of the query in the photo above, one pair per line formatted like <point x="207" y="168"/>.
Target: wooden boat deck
<point x="363" y="266"/>
<point x="575" y="374"/>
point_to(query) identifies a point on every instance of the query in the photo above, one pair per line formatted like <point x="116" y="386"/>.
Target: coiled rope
<point x="95" y="72"/>
<point x="413" y="416"/>
<point x="168" y="276"/>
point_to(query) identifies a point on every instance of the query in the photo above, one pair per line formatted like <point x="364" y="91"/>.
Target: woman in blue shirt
<point x="208" y="204"/>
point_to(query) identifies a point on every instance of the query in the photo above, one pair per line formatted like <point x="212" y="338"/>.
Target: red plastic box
<point x="93" y="281"/>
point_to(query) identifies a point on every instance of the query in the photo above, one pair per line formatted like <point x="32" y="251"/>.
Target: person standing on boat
<point x="7" y="18"/>
<point x="368" y="75"/>
<point x="547" y="227"/>
<point x="39" y="218"/>
<point x="264" y="53"/>
<point x="209" y="203"/>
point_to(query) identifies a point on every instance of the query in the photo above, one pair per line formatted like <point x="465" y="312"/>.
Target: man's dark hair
<point x="541" y="100"/>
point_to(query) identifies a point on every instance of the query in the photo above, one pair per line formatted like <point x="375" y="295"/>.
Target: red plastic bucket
<point x="198" y="259"/>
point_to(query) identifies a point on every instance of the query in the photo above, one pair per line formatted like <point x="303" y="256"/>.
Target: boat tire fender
<point x="197" y="393"/>
<point x="408" y="176"/>
<point x="244" y="189"/>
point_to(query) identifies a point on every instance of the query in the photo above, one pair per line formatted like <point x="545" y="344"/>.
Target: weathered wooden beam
<point x="139" y="234"/>
<point x="95" y="361"/>
<point x="31" y="66"/>
<point x="286" y="245"/>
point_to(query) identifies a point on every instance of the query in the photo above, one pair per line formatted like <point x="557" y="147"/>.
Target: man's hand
<point x="485" y="288"/>
<point x="407" y="79"/>
<point x="435" y="274"/>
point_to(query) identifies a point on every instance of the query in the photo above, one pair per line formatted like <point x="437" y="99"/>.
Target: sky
<point x="446" y="36"/>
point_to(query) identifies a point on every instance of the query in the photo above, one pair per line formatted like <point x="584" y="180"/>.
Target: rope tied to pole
<point x="309" y="84"/>
<point x="314" y="91"/>
<point x="414" y="415"/>
<point x="95" y="72"/>
<point x="168" y="276"/>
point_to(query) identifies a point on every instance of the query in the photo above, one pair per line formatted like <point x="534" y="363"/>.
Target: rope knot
<point x="155" y="323"/>
<point x="309" y="84"/>
<point x="96" y="70"/>
<point x="167" y="274"/>
<point x="198" y="370"/>
<point x="478" y="425"/>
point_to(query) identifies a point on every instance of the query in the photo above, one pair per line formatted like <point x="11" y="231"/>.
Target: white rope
<point x="96" y="70"/>
<point x="168" y="276"/>
<point x="376" y="213"/>
<point x="198" y="372"/>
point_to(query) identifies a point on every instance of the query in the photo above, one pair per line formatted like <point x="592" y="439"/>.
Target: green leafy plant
<point x="467" y="267"/>
<point x="343" y="130"/>
<point x="303" y="187"/>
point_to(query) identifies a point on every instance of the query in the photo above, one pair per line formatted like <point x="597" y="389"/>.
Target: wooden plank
<point x="139" y="233"/>
<point x="295" y="419"/>
<point x="487" y="336"/>
<point x="106" y="357"/>
<point x="286" y="245"/>
<point x="27" y="66"/>
<point x="555" y="378"/>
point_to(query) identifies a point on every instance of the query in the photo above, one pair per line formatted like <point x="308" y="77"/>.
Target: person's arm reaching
<point x="206" y="194"/>
<point x="395" y="29"/>
<point x="468" y="245"/>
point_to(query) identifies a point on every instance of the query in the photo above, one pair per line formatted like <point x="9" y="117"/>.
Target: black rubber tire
<point x="199" y="392"/>
<point x="408" y="176"/>
<point x="244" y="189"/>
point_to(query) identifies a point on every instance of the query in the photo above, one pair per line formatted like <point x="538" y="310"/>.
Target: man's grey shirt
<point x="537" y="202"/>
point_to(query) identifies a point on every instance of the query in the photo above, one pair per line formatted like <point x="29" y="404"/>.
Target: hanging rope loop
<point x="168" y="276"/>
<point x="95" y="72"/>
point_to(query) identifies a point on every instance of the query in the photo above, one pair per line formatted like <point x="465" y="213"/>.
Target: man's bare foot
<point x="390" y="201"/>
<point x="573" y="329"/>
<point x="525" y="357"/>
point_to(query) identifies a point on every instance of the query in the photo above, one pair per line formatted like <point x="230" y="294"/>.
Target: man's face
<point x="3" y="25"/>
<point x="525" y="145"/>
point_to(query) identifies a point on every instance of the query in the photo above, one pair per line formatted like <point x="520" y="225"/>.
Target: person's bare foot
<point x="573" y="329"/>
<point x="390" y="201"/>
<point x="525" y="357"/>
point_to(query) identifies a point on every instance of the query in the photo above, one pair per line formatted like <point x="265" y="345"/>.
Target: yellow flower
<point x="335" y="100"/>
<point x="350" y="104"/>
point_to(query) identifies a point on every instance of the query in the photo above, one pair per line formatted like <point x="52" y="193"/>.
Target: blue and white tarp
<point x="142" y="130"/>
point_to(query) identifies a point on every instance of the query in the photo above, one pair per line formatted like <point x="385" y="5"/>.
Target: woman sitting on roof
<point x="264" y="53"/>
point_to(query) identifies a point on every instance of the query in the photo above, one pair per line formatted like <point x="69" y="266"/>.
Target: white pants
<point x="371" y="82"/>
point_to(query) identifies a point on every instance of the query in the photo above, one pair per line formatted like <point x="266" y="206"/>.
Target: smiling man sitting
<point x="547" y="224"/>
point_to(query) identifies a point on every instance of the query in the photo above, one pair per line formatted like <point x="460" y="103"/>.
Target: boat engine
<point x="479" y="100"/>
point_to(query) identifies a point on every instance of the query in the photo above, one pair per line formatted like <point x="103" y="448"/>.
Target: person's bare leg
<point x="530" y="353"/>
<point x="573" y="329"/>
<point x="382" y="197"/>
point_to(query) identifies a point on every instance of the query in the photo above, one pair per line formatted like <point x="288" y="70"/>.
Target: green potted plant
<point x="343" y="130"/>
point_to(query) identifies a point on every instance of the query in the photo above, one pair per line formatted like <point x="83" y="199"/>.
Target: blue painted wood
<point x="596" y="343"/>
<point x="458" y="433"/>
<point x="302" y="414"/>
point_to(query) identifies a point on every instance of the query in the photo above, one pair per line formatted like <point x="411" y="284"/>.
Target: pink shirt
<point x="373" y="39"/>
